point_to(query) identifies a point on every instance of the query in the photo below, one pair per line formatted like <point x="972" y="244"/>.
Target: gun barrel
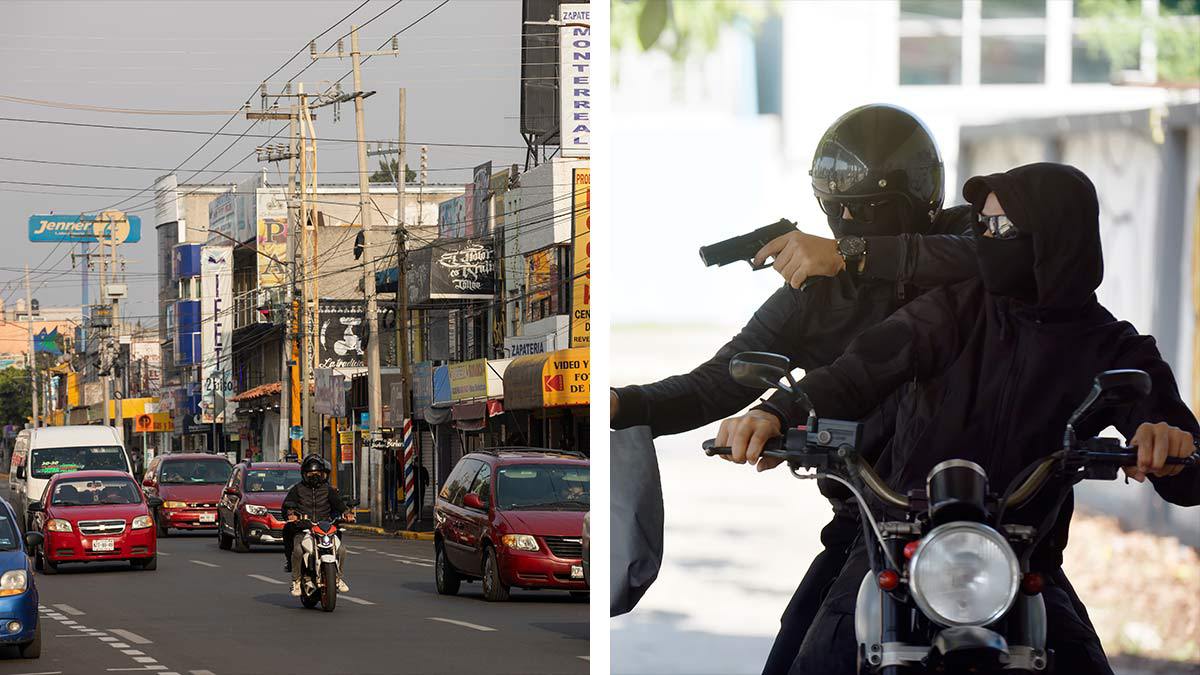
<point x="743" y="246"/>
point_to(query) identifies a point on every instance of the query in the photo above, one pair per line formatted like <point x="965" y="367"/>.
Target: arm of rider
<point x="746" y="436"/>
<point x="1155" y="443"/>
<point x="799" y="255"/>
<point x="945" y="255"/>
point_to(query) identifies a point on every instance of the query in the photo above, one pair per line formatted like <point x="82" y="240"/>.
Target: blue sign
<point x="296" y="433"/>
<point x="364" y="421"/>
<point x="84" y="228"/>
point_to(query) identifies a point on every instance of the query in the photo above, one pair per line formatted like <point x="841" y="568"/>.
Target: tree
<point x="681" y="29"/>
<point x="15" y="403"/>
<point x="1114" y="28"/>
<point x="388" y="172"/>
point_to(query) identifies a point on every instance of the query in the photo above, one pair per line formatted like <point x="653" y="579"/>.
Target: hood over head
<point x="1057" y="205"/>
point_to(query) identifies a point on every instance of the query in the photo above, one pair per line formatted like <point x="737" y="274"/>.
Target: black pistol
<point x="743" y="247"/>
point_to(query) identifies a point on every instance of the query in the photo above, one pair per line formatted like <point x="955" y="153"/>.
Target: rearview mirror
<point x="36" y="507"/>
<point x="1113" y="387"/>
<point x="472" y="501"/>
<point x="34" y="539"/>
<point x="760" y="369"/>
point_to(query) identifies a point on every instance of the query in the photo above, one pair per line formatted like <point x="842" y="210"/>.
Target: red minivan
<point x="91" y="516"/>
<point x="190" y="486"/>
<point x="512" y="517"/>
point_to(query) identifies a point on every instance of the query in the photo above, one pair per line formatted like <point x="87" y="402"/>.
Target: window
<point x="483" y="483"/>
<point x="271" y="480"/>
<point x="460" y="478"/>
<point x="544" y="287"/>
<point x="47" y="462"/>
<point x="195" y="472"/>
<point x="931" y="60"/>
<point x="543" y="487"/>
<point x="1013" y="9"/>
<point x="1012" y="59"/>
<point x="94" y="491"/>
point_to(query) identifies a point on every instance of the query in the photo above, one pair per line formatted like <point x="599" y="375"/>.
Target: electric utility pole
<point x="32" y="348"/>
<point x="373" y="480"/>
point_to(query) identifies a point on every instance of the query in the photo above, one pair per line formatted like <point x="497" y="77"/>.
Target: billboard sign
<point x="272" y="234"/>
<point x="452" y="218"/>
<point x="526" y="346"/>
<point x="60" y="228"/>
<point x="342" y="334"/>
<point x="216" y="333"/>
<point x="330" y="395"/>
<point x="166" y="200"/>
<point x="455" y="269"/>
<point x="468" y="380"/>
<point x="221" y="217"/>
<point x="565" y="378"/>
<point x="581" y="281"/>
<point x="480" y="196"/>
<point x="422" y="373"/>
<point x="574" y="79"/>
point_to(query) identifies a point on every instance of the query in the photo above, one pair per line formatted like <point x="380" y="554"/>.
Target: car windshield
<point x="8" y="534"/>
<point x="271" y="480"/>
<point x="196" y="471"/>
<point x="544" y="487"/>
<point x="94" y="491"/>
<point x="47" y="462"/>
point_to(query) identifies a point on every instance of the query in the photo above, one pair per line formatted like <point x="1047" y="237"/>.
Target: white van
<point x="39" y="454"/>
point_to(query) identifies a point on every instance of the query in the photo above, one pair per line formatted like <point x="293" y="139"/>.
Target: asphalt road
<point x="205" y="611"/>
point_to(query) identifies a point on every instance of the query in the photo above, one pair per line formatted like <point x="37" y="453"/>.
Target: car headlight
<point x="13" y="583"/>
<point x="58" y="525"/>
<point x="174" y="505"/>
<point x="520" y="542"/>
<point x="256" y="510"/>
<point x="964" y="574"/>
<point x="141" y="523"/>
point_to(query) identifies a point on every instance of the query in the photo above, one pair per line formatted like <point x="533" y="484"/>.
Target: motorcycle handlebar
<point x="1114" y="455"/>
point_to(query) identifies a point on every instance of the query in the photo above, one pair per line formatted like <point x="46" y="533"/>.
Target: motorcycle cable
<point x="870" y="517"/>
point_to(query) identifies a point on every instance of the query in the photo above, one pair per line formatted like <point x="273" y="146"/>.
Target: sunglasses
<point x="861" y="211"/>
<point x="1000" y="227"/>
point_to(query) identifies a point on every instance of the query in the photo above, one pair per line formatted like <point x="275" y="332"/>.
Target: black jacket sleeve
<point x="1162" y="405"/>
<point x="291" y="501"/>
<point x="708" y="393"/>
<point x="944" y="256"/>
<point x="919" y="341"/>
<point x="337" y="505"/>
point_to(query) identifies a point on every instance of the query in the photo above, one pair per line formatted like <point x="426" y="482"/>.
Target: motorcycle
<point x="950" y="587"/>
<point x="320" y="543"/>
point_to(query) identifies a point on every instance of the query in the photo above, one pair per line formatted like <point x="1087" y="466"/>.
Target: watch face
<point x="852" y="247"/>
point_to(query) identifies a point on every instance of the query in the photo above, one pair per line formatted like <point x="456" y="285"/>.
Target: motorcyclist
<point x="878" y="177"/>
<point x="999" y="364"/>
<point x="314" y="499"/>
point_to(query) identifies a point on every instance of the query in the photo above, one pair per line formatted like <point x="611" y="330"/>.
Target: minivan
<point x="39" y="454"/>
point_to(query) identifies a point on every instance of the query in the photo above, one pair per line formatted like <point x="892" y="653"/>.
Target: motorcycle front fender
<point x="328" y="558"/>
<point x="868" y="612"/>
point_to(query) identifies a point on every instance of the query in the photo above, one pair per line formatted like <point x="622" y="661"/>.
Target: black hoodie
<point x="997" y="378"/>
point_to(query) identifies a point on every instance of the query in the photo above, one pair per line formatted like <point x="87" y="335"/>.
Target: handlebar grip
<point x="1128" y="456"/>
<point x="711" y="448"/>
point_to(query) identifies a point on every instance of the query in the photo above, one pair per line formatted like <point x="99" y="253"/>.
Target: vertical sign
<point x="482" y="197"/>
<point x="216" y="332"/>
<point x="271" y="208"/>
<point x="581" y="286"/>
<point x="574" y="79"/>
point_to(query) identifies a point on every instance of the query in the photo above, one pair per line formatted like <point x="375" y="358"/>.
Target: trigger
<point x="765" y="265"/>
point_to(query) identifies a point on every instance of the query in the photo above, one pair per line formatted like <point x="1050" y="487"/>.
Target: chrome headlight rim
<point x="980" y="529"/>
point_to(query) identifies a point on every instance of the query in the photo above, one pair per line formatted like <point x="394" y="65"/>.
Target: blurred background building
<point x="717" y="110"/>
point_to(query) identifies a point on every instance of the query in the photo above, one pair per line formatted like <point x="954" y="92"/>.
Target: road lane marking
<point x="129" y="637"/>
<point x="201" y="672"/>
<point x="162" y="553"/>
<point x="44" y="672"/>
<point x="133" y="652"/>
<point x="118" y="645"/>
<point x="108" y="639"/>
<point x="353" y="599"/>
<point x="76" y="635"/>
<point x="269" y="580"/>
<point x="67" y="609"/>
<point x="464" y="624"/>
<point x="206" y="564"/>
<point x="145" y="659"/>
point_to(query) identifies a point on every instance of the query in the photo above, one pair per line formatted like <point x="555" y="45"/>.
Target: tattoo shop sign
<point x="453" y="269"/>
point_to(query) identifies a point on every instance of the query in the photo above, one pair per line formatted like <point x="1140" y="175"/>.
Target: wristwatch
<point x="853" y="250"/>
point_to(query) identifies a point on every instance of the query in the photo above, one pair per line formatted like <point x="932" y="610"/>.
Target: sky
<point x="460" y="66"/>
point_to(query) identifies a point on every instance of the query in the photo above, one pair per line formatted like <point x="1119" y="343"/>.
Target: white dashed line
<point x="67" y="609"/>
<point x="145" y="659"/>
<point x="206" y="564"/>
<point x="586" y="658"/>
<point x="130" y="637"/>
<point x="76" y="635"/>
<point x="44" y="672"/>
<point x="118" y="645"/>
<point x="108" y="639"/>
<point x="355" y="600"/>
<point x="269" y="580"/>
<point x="201" y="672"/>
<point x="133" y="652"/>
<point x="464" y="624"/>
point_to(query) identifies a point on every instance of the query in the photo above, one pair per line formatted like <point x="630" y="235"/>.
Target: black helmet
<point x="314" y="463"/>
<point x="879" y="153"/>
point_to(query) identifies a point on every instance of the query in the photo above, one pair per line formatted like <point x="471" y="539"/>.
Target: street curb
<point x="403" y="534"/>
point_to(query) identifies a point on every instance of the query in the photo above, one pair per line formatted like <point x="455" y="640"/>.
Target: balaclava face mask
<point x="889" y="219"/>
<point x="312" y="479"/>
<point x="1006" y="267"/>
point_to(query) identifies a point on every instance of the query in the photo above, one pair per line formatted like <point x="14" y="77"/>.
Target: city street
<point x="205" y="611"/>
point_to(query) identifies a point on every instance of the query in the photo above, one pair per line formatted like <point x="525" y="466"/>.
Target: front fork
<point x="313" y="555"/>
<point x="896" y="615"/>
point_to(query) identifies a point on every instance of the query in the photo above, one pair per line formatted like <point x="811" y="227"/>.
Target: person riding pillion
<point x="878" y="176"/>
<point x="313" y="498"/>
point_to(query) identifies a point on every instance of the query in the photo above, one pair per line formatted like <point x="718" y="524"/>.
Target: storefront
<point x="547" y="396"/>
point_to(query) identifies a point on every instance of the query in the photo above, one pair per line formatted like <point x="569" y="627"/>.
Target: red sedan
<point x="90" y="516"/>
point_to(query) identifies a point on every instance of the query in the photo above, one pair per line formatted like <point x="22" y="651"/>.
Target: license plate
<point x="576" y="571"/>
<point x="105" y="544"/>
<point x="208" y="517"/>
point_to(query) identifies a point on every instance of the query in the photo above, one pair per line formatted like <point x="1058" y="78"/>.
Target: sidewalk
<point x="403" y="534"/>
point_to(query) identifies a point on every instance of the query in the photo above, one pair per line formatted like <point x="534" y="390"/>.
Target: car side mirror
<point x="21" y="471"/>
<point x="36" y="507"/>
<point x="34" y="539"/>
<point x="472" y="501"/>
<point x="1113" y="387"/>
<point x="761" y="369"/>
<point x="154" y="502"/>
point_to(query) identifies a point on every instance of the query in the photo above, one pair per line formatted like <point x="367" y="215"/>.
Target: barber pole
<point x="410" y="476"/>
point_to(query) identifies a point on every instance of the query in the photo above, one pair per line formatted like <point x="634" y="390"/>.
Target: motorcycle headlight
<point x="964" y="574"/>
<point x="256" y="510"/>
<point x="58" y="525"/>
<point x="174" y="505"/>
<point x="520" y="542"/>
<point x="13" y="583"/>
<point x="141" y="523"/>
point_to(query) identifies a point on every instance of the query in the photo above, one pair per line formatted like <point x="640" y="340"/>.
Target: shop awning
<point x="523" y="382"/>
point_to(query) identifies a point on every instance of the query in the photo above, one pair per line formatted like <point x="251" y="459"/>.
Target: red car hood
<point x="209" y="493"/>
<point x="98" y="512"/>
<point x="546" y="523"/>
<point x="271" y="500"/>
